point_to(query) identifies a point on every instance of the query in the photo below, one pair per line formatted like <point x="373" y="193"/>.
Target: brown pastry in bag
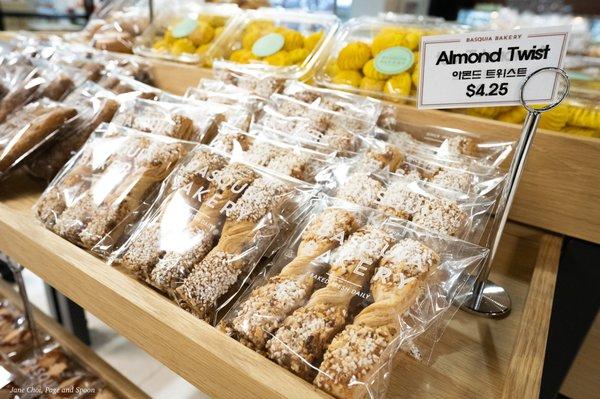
<point x="32" y="135"/>
<point x="358" y="351"/>
<point x="58" y="88"/>
<point x="305" y="334"/>
<point x="18" y="96"/>
<point x="262" y="313"/>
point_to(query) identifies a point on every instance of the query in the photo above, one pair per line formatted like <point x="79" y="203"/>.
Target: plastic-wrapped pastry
<point x="305" y="334"/>
<point x="28" y="129"/>
<point x="106" y="183"/>
<point x="348" y="78"/>
<point x="356" y="352"/>
<point x="262" y="313"/>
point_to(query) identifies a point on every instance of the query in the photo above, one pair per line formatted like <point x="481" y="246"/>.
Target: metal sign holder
<point x="487" y="298"/>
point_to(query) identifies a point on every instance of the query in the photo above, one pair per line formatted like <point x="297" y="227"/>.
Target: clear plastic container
<point x="279" y="42"/>
<point x="187" y="33"/>
<point x="378" y="56"/>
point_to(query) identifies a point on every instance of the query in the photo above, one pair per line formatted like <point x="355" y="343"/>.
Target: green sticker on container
<point x="268" y="45"/>
<point x="184" y="28"/>
<point x="394" y="60"/>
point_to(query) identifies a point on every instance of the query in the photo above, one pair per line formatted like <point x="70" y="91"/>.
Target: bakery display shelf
<point x="474" y="356"/>
<point x="561" y="178"/>
<point x="82" y="353"/>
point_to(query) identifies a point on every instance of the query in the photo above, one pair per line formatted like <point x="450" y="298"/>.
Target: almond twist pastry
<point x="388" y="155"/>
<point x="150" y="170"/>
<point x="304" y="335"/>
<point x="438" y="214"/>
<point x="356" y="352"/>
<point x="227" y="186"/>
<point x="150" y="118"/>
<point x="146" y="249"/>
<point x="249" y="228"/>
<point x="361" y="189"/>
<point x="267" y="306"/>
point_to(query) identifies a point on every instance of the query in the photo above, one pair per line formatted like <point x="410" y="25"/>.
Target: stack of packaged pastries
<point x="310" y="224"/>
<point x="51" y="372"/>
<point x="377" y="57"/>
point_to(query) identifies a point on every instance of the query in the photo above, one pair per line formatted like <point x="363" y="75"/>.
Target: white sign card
<point x="480" y="69"/>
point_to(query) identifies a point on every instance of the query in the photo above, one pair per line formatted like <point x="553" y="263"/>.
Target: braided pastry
<point x="226" y="187"/>
<point x="267" y="306"/>
<point x="354" y="56"/>
<point x="358" y="351"/>
<point x="246" y="234"/>
<point x="304" y="335"/>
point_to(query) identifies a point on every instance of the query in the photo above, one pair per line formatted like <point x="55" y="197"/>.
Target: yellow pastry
<point x="183" y="45"/>
<point x="202" y="49"/>
<point x="298" y="55"/>
<point x="555" y="119"/>
<point x="387" y="40"/>
<point x="412" y="40"/>
<point x="280" y="58"/>
<point x="354" y="56"/>
<point x="398" y="85"/>
<point x="367" y="83"/>
<point x="241" y="56"/>
<point x="415" y="77"/>
<point x="203" y="34"/>
<point x="215" y="21"/>
<point x="311" y="41"/>
<point x="250" y="38"/>
<point x="168" y="37"/>
<point x="332" y="69"/>
<point x="218" y="31"/>
<point x="292" y="40"/>
<point x="350" y="78"/>
<point x="486" y="112"/>
<point x="161" y="45"/>
<point x="512" y="115"/>
<point x="581" y="131"/>
<point x="584" y="117"/>
<point x="370" y="71"/>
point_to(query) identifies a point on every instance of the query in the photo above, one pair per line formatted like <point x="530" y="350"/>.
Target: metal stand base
<point x="495" y="302"/>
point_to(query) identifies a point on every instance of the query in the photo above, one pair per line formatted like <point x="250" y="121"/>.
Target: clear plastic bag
<point x="205" y="235"/>
<point x="349" y="287"/>
<point x="28" y="129"/>
<point x="115" y="26"/>
<point x="128" y="88"/>
<point x="449" y="145"/>
<point x="220" y="92"/>
<point x="405" y="196"/>
<point x="352" y="105"/>
<point x="108" y="182"/>
<point x="259" y="83"/>
<point x="95" y="105"/>
<point x="188" y="32"/>
<point x="177" y="120"/>
<point x="285" y="158"/>
<point x="285" y="43"/>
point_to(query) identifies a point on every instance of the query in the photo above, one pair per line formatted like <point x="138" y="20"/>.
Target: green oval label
<point x="394" y="60"/>
<point x="268" y="45"/>
<point x="184" y="28"/>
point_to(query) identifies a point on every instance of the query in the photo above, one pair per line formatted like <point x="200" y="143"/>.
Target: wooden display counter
<point x="501" y="358"/>
<point x="82" y="353"/>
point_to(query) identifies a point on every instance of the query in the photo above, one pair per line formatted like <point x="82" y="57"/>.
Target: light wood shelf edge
<point x="524" y="375"/>
<point x="85" y="355"/>
<point x="146" y="317"/>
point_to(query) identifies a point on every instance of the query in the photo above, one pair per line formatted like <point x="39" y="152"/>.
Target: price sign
<point x="480" y="69"/>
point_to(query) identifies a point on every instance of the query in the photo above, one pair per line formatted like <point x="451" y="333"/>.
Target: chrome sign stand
<point x="486" y="298"/>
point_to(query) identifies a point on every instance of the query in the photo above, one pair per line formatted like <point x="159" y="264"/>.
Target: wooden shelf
<point x="83" y="354"/>
<point x="474" y="355"/>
